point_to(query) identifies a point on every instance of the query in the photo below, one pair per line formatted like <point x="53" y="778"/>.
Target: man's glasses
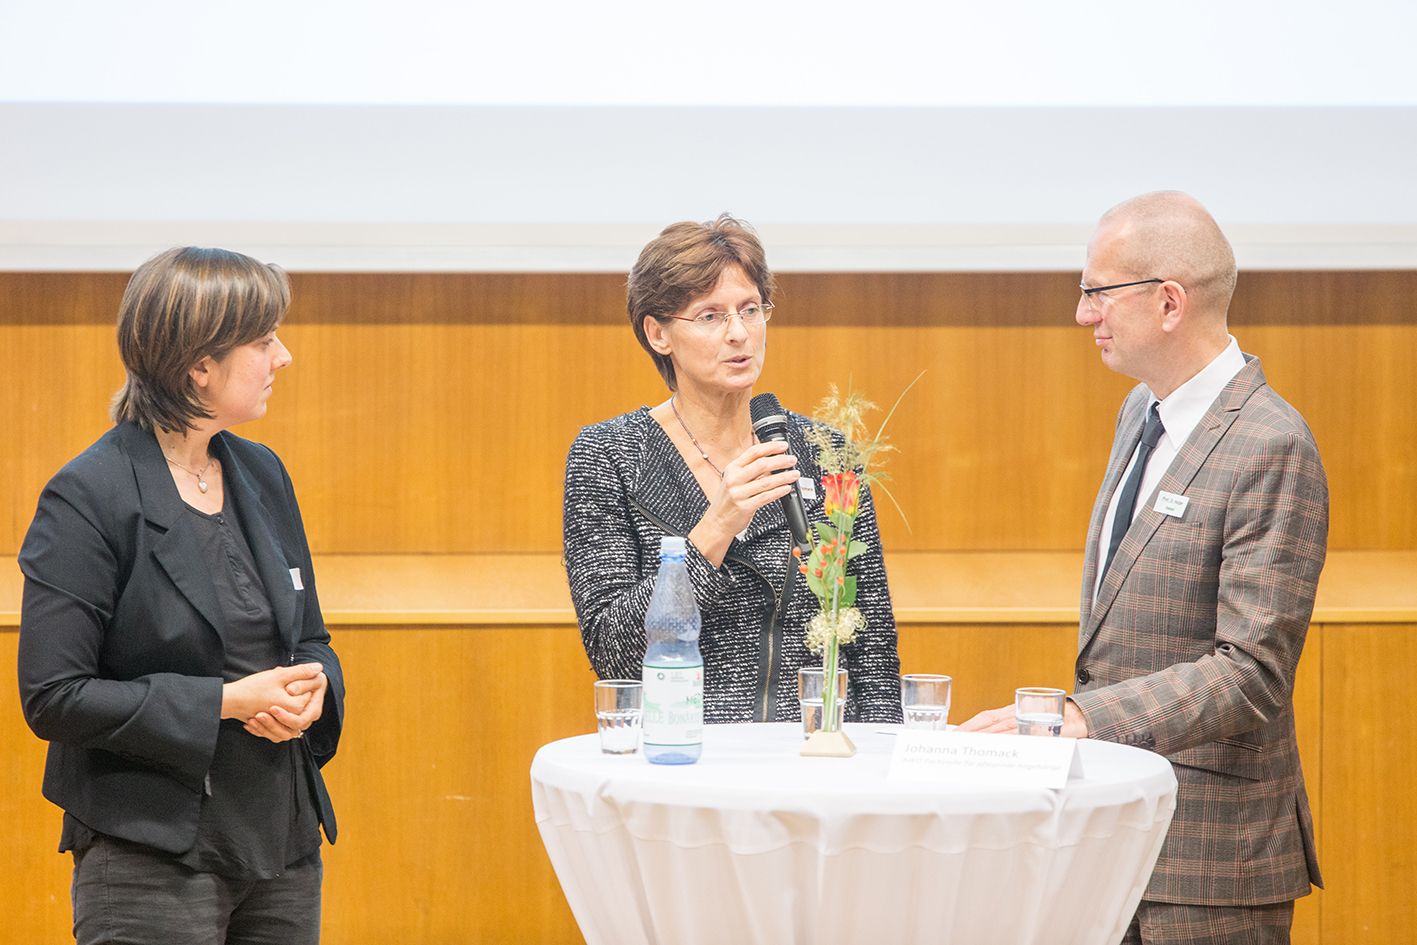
<point x="1090" y="295"/>
<point x="751" y="315"/>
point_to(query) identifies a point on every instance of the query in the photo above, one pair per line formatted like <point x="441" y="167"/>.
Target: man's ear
<point x="657" y="335"/>
<point x="1175" y="305"/>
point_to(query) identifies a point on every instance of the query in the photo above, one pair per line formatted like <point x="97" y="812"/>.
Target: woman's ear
<point x="201" y="373"/>
<point x="657" y="335"/>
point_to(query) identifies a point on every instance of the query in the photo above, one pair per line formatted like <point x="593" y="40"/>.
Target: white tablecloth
<point x="755" y="843"/>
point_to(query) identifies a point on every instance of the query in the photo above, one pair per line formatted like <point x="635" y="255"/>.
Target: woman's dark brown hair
<point x="685" y="262"/>
<point x="181" y="306"/>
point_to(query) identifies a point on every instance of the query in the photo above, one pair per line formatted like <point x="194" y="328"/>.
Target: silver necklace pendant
<point x="201" y="475"/>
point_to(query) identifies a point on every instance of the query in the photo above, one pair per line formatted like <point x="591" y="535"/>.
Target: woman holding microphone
<point x="699" y="302"/>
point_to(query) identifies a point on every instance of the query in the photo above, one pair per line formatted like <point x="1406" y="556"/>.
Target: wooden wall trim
<point x="1379" y="297"/>
<point x="927" y="588"/>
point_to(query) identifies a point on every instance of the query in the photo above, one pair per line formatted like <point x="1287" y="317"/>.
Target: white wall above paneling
<point x="827" y="53"/>
<point x="101" y="186"/>
<point x="559" y="135"/>
<point x="375" y="247"/>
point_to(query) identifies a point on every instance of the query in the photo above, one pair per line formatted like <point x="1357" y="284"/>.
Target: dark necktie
<point x="1127" y="501"/>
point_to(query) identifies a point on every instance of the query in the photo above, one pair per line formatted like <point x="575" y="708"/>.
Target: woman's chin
<point x="731" y="383"/>
<point x="249" y="416"/>
<point x="738" y="377"/>
<point x="738" y="385"/>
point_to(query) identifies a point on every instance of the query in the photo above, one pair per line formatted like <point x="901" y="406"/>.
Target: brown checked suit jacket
<point x="1192" y="645"/>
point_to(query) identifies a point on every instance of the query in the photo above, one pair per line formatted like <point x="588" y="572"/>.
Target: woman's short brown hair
<point x="685" y="262"/>
<point x="181" y="306"/>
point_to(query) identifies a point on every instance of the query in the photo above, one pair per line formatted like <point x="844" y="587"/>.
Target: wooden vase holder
<point x="829" y="745"/>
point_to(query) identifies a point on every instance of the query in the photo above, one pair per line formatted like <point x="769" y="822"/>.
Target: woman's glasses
<point x="751" y="315"/>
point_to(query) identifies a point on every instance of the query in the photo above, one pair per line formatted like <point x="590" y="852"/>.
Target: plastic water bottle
<point x="673" y="722"/>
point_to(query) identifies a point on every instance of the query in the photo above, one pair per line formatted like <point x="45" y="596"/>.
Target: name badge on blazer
<point x="808" y="486"/>
<point x="1168" y="503"/>
<point x="295" y="579"/>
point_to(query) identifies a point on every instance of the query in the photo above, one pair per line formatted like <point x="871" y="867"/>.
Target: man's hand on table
<point x="1001" y="722"/>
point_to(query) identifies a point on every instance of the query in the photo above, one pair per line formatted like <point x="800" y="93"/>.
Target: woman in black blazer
<point x="172" y="651"/>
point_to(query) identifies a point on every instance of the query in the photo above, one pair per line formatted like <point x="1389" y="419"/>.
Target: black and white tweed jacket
<point x="626" y="486"/>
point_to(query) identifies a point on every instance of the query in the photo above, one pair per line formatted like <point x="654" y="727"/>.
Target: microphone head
<point x="766" y="411"/>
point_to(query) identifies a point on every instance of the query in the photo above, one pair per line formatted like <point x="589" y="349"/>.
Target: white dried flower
<point x="821" y="628"/>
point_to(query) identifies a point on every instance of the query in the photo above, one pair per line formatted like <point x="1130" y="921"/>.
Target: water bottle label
<point x="673" y="704"/>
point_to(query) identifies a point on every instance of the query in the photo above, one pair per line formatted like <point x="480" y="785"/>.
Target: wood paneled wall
<point x="438" y="843"/>
<point x="432" y="413"/>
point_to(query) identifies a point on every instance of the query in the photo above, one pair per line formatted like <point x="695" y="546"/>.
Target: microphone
<point x="770" y="423"/>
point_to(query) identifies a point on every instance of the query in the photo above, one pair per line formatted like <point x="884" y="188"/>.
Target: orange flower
<point x="842" y="492"/>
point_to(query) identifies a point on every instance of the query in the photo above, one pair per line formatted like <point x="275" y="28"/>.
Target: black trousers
<point x="128" y="894"/>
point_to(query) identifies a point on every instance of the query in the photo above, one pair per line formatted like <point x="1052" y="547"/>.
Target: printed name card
<point x="1168" y="503"/>
<point x="974" y="758"/>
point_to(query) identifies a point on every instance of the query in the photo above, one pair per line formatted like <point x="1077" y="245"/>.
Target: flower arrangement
<point x="848" y="460"/>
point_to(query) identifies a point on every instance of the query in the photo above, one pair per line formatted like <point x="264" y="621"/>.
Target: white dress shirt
<point x="1179" y="415"/>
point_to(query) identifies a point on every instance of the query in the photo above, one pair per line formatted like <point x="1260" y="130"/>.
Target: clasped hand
<point x="277" y="704"/>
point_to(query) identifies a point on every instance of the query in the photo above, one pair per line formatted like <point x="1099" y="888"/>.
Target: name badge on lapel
<point x="295" y="579"/>
<point x="808" y="486"/>
<point x="1168" y="503"/>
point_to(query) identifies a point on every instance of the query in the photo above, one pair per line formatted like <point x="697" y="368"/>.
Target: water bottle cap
<point x="672" y="545"/>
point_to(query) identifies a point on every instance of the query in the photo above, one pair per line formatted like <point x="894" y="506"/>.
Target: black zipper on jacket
<point x="769" y="644"/>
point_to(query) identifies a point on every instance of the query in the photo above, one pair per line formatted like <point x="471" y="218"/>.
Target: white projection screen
<point x="559" y="136"/>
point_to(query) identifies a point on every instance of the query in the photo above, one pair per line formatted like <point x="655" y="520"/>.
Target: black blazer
<point x="121" y="653"/>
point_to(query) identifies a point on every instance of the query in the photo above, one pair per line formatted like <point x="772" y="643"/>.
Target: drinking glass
<point x="809" y="694"/>
<point x="1039" y="711"/>
<point x="925" y="700"/>
<point x="619" y="706"/>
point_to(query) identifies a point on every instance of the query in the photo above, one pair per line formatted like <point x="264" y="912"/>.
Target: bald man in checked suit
<point x="1196" y="600"/>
